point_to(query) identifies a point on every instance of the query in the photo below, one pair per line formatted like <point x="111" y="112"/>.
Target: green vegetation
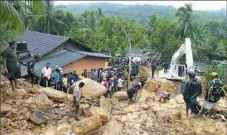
<point x="110" y="30"/>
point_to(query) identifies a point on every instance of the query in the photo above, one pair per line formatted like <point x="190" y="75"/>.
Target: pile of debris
<point x="36" y="111"/>
<point x="32" y="110"/>
<point x="166" y="85"/>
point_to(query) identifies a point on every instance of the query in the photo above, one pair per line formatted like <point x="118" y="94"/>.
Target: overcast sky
<point x="197" y="5"/>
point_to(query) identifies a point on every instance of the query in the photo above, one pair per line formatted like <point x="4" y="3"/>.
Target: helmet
<point x="213" y="74"/>
<point x="191" y="74"/>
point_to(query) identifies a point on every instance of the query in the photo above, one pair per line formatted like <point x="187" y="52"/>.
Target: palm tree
<point x="151" y="25"/>
<point x="185" y="21"/>
<point x="10" y="18"/>
<point x="46" y="12"/>
<point x="213" y="50"/>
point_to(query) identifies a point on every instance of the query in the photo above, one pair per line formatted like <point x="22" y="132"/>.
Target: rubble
<point x="105" y="116"/>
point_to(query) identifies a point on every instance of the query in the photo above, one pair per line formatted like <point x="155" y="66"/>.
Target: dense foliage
<point x="157" y="29"/>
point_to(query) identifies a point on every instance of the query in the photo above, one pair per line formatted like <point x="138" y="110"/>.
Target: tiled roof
<point x="41" y="43"/>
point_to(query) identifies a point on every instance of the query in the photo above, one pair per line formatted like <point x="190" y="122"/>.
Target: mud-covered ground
<point x="142" y="117"/>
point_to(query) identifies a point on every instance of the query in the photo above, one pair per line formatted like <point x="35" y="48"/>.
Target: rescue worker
<point x="192" y="89"/>
<point x="214" y="91"/>
<point x="133" y="91"/>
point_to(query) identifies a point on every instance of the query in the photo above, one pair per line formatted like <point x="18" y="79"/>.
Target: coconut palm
<point x="213" y="50"/>
<point x="10" y="18"/>
<point x="185" y="21"/>
<point x="45" y="13"/>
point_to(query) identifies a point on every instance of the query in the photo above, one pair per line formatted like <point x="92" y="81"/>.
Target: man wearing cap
<point x="214" y="91"/>
<point x="192" y="89"/>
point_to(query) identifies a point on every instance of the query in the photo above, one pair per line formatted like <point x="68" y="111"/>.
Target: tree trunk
<point x="48" y="27"/>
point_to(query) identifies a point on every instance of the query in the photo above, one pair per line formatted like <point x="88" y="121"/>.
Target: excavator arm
<point x="176" y="67"/>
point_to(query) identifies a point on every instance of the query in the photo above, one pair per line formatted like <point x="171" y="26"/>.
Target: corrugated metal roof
<point x="60" y="60"/>
<point x="64" y="57"/>
<point x="41" y="43"/>
<point x="93" y="54"/>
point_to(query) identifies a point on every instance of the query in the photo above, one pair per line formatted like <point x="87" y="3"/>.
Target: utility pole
<point x="130" y="59"/>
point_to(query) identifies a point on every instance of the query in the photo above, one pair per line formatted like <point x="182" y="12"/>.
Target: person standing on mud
<point x="153" y="68"/>
<point x="35" y="78"/>
<point x="192" y="89"/>
<point x="12" y="65"/>
<point x="214" y="91"/>
<point x="77" y="96"/>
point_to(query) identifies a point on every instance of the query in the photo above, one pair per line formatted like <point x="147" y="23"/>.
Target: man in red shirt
<point x="156" y="91"/>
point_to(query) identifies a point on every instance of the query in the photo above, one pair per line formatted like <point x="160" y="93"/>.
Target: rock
<point x="5" y="122"/>
<point x="179" y="99"/>
<point x="87" y="125"/>
<point x="63" y="129"/>
<point x="84" y="106"/>
<point x="123" y="119"/>
<point x="18" y="93"/>
<point x="103" y="113"/>
<point x="121" y="95"/>
<point x="38" y="118"/>
<point x="5" y="108"/>
<point x="145" y="106"/>
<point x="43" y="102"/>
<point x="91" y="88"/>
<point x="64" y="120"/>
<point x="30" y="102"/>
<point x="55" y="95"/>
<point x="61" y="105"/>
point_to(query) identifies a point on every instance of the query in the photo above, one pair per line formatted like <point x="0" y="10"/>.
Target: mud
<point x="141" y="117"/>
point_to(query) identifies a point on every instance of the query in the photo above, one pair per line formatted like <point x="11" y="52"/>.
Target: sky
<point x="197" y="5"/>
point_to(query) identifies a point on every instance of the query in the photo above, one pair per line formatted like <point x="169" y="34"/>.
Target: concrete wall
<point x="85" y="63"/>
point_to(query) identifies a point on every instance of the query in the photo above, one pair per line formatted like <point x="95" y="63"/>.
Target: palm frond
<point x="10" y="17"/>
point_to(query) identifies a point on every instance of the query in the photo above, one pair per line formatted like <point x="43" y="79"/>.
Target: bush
<point x="220" y="69"/>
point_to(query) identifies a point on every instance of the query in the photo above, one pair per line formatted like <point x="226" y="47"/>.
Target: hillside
<point x="141" y="12"/>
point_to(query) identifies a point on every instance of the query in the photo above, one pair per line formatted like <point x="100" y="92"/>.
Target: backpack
<point x="215" y="92"/>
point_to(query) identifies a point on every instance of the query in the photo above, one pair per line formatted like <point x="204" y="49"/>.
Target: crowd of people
<point x="112" y="78"/>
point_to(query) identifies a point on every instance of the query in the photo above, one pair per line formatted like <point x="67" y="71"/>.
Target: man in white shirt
<point x="120" y="83"/>
<point x="46" y="74"/>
